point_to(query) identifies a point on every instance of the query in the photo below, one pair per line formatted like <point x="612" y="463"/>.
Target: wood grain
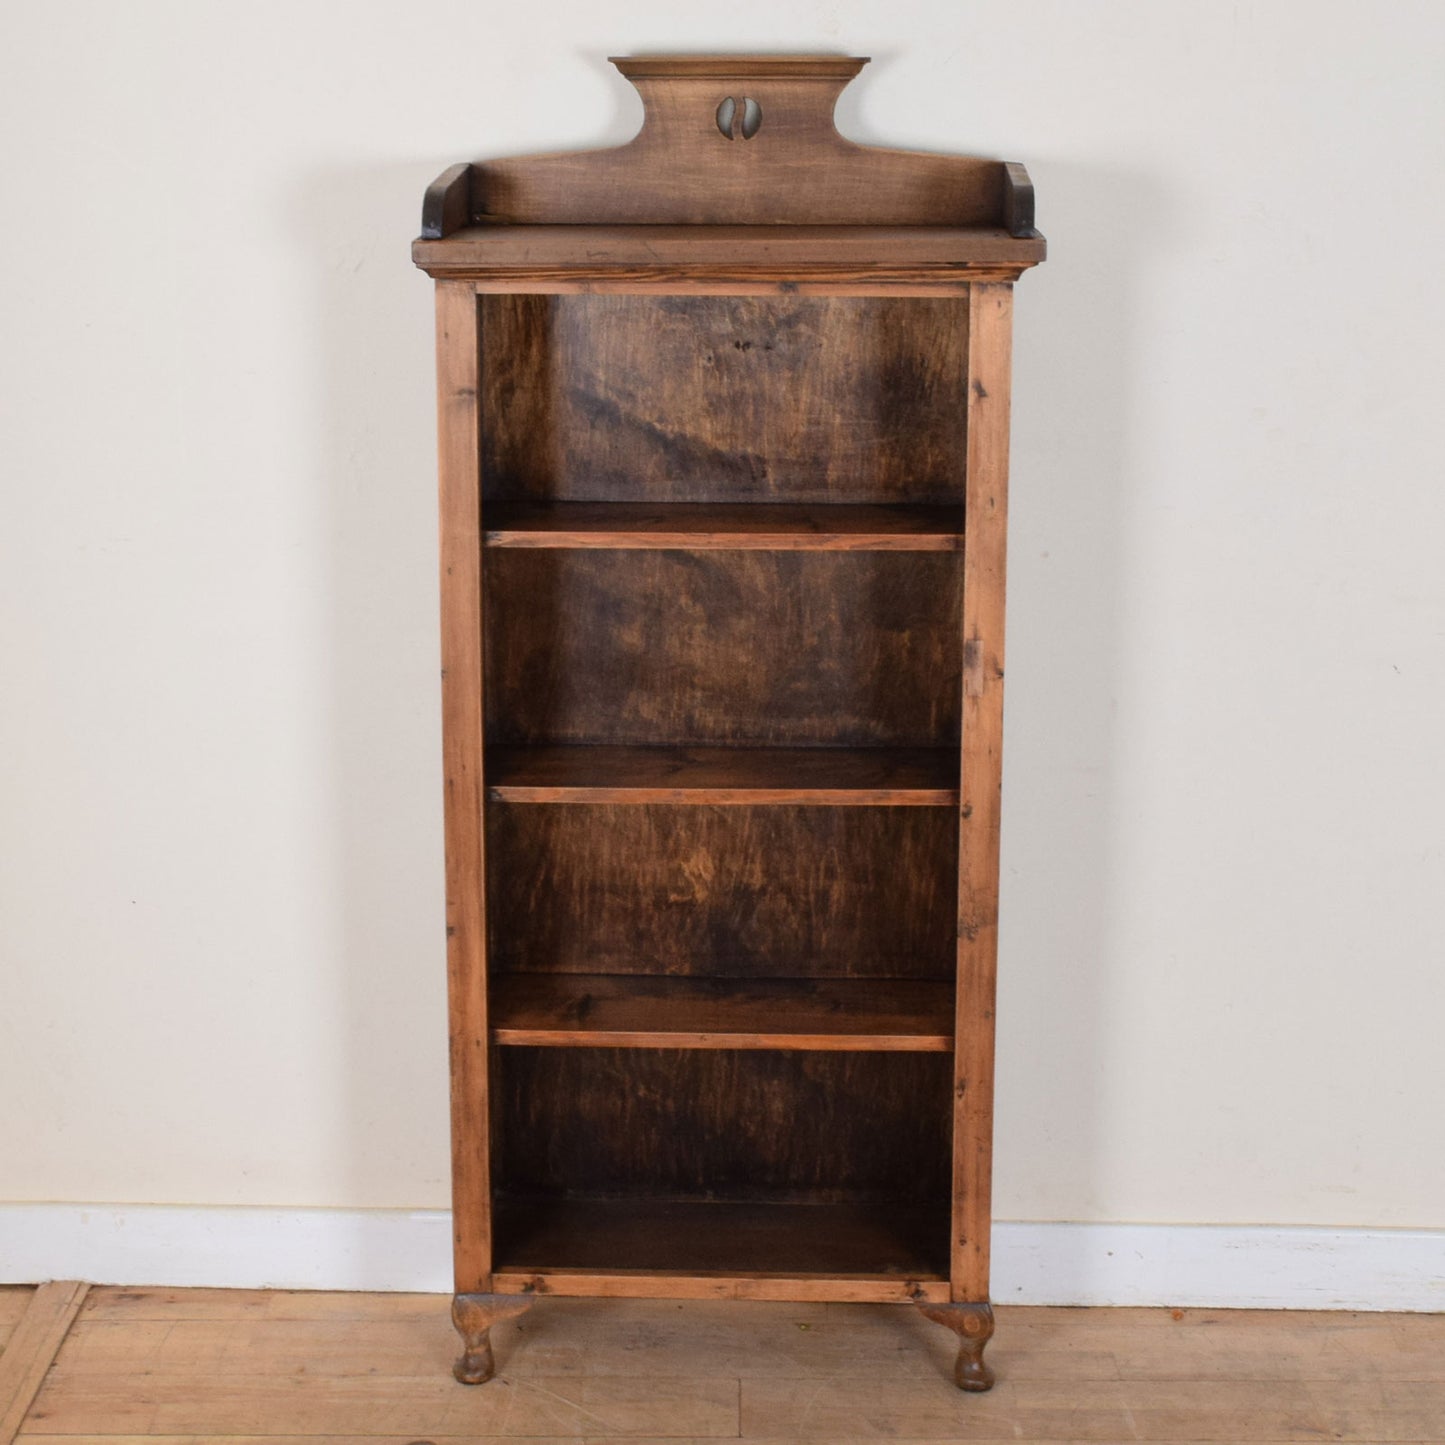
<point x="618" y="1011"/>
<point x="733" y="67"/>
<point x="736" y="777"/>
<point x="724" y="462"/>
<point x="446" y="207"/>
<point x="972" y="1325"/>
<point x="1018" y="202"/>
<point x="725" y="527"/>
<point x="783" y="249"/>
<point x="32" y="1347"/>
<point x="780" y="892"/>
<point x="182" y="1367"/>
<point x="340" y="1310"/>
<point x="462" y="759"/>
<point x="781" y="1287"/>
<point x="728" y="260"/>
<point x="746" y="649"/>
<point x="763" y="1126"/>
<point x="833" y="282"/>
<point x="14" y="1298"/>
<point x="990" y="334"/>
<point x="474" y="1316"/>
<point x="885" y="1244"/>
<point x="1072" y="1410"/>
<point x="360" y="1407"/>
<point x="724" y="399"/>
<point x="796" y="168"/>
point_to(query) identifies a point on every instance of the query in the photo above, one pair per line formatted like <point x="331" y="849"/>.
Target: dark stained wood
<point x="973" y="1324"/>
<point x="474" y="1315"/>
<point x="682" y="169"/>
<point x="649" y="648"/>
<point x="788" y="250"/>
<point x="779" y="892"/>
<point x="769" y="1126"/>
<point x="768" y="258"/>
<point x="625" y="1011"/>
<point x="817" y="777"/>
<point x="724" y="527"/>
<point x="724" y="472"/>
<point x="724" y="399"/>
<point x="446" y="207"/>
<point x="990" y="333"/>
<point x="466" y="932"/>
<point x="730" y="67"/>
<point x="1018" y="203"/>
<point x="854" y="282"/>
<point x="838" y="1241"/>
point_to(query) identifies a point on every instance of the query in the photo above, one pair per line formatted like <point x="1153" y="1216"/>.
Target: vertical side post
<point x="990" y="325"/>
<point x="459" y="464"/>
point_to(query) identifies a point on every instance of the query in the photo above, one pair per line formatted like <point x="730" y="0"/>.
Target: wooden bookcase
<point x="724" y="450"/>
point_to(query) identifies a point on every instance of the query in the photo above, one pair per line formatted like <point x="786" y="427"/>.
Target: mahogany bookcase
<point x="724" y="456"/>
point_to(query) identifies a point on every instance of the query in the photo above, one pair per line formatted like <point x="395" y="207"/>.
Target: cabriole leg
<point x="474" y="1315"/>
<point x="973" y="1324"/>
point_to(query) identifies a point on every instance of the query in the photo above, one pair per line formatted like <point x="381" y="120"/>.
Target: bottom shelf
<point x="703" y="1249"/>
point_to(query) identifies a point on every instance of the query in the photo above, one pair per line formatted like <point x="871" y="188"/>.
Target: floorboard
<point x="13" y="1300"/>
<point x="251" y="1367"/>
<point x="32" y="1347"/>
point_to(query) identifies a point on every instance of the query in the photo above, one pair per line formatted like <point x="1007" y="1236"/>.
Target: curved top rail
<point x="735" y="140"/>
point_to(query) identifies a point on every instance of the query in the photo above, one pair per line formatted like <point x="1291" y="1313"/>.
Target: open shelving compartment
<point x="722" y="642"/>
<point x="723" y="456"/>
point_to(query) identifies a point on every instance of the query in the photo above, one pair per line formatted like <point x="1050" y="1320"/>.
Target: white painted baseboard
<point x="1210" y="1266"/>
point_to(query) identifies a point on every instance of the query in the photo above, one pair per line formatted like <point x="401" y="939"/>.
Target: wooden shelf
<point x="697" y="527"/>
<point x="569" y="1010"/>
<point x="798" y="257"/>
<point x="704" y="1249"/>
<point x="815" y="777"/>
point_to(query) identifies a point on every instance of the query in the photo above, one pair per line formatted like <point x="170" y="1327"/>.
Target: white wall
<point x="1223" y="966"/>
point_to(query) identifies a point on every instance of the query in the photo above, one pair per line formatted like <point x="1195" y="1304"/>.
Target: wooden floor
<point x="266" y="1368"/>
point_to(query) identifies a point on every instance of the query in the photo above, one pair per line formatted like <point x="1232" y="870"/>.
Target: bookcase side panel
<point x="459" y="455"/>
<point x="990" y="320"/>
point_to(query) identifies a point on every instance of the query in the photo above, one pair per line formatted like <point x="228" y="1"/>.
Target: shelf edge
<point x="729" y="797"/>
<point x="802" y="1042"/>
<point x="664" y="1284"/>
<point x="624" y="541"/>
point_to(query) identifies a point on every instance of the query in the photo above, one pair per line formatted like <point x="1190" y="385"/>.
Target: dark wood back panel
<point x="765" y="648"/>
<point x="724" y="398"/>
<point x="703" y="1123"/>
<point x="777" y="892"/>
<point x="779" y="160"/>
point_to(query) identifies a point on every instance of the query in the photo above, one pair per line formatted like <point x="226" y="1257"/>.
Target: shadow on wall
<point x="374" y="416"/>
<point x="1075" y="487"/>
